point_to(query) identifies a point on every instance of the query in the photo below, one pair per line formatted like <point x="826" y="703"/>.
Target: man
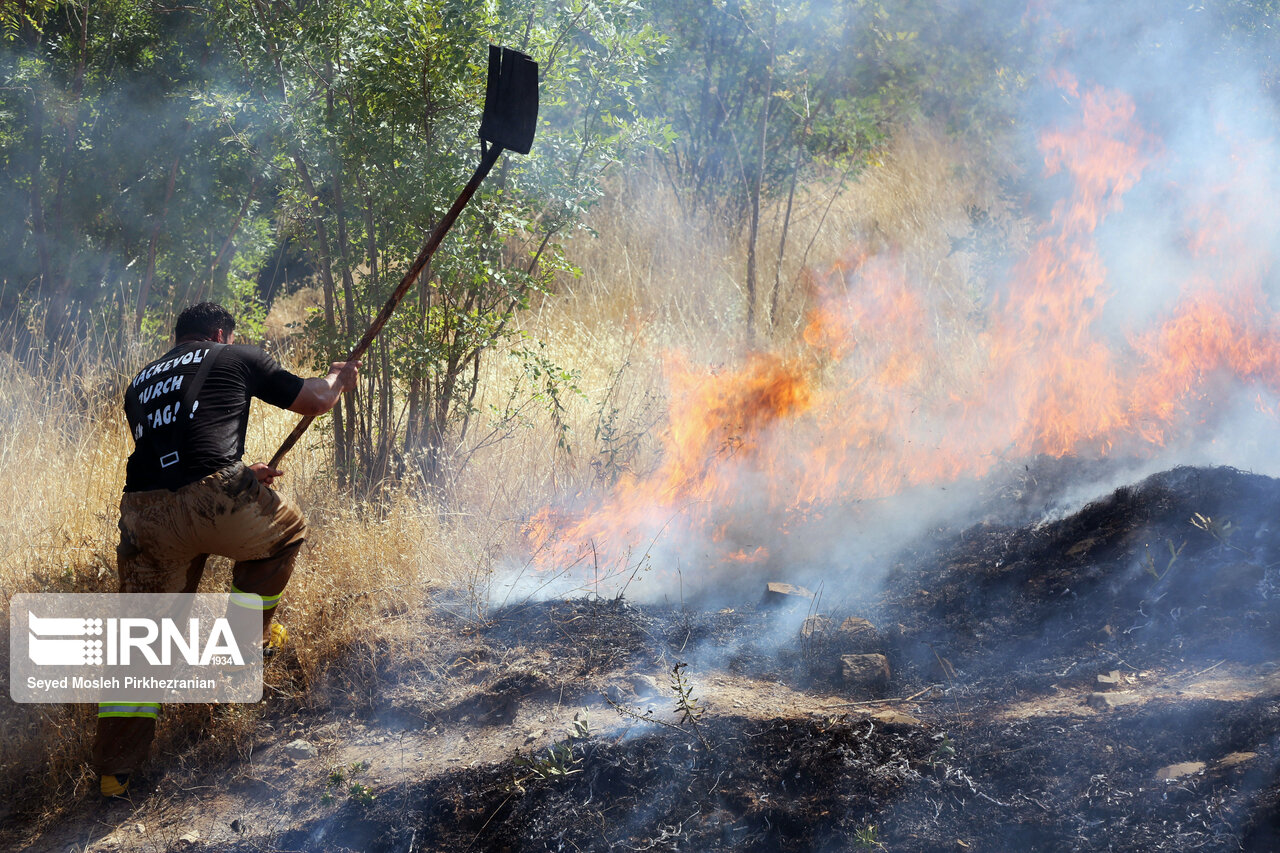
<point x="187" y="494"/>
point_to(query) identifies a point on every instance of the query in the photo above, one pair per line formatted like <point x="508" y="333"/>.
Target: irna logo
<point x="63" y="641"/>
<point x="135" y="647"/>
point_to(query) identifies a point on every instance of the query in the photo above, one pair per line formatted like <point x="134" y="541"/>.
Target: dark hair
<point x="202" y="322"/>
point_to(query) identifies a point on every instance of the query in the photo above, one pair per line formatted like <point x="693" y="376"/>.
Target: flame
<point x="877" y="397"/>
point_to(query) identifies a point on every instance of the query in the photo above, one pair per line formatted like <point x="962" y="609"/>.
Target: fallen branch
<point x="1208" y="668"/>
<point x="915" y="695"/>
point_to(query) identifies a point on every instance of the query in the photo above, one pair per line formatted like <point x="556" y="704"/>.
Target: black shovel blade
<point x="511" y="100"/>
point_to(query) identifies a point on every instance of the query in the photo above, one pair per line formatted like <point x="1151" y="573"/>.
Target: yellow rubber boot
<point x="114" y="785"/>
<point x="277" y="636"/>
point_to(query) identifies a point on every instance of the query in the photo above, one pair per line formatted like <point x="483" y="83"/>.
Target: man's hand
<point x="266" y="475"/>
<point x="345" y="373"/>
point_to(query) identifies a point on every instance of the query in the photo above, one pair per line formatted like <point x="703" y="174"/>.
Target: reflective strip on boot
<point x="253" y="601"/>
<point x="129" y="709"/>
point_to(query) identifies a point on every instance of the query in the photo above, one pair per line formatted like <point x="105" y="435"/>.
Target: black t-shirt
<point x="179" y="440"/>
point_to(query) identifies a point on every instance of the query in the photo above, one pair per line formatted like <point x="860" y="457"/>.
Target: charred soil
<point x="1109" y="680"/>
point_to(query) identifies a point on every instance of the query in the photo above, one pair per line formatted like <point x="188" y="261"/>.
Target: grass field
<point x="650" y="284"/>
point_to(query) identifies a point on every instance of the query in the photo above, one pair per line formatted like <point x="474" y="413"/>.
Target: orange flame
<point x="879" y="401"/>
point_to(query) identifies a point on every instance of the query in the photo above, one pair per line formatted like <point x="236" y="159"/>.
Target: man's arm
<point x="321" y="394"/>
<point x="317" y="396"/>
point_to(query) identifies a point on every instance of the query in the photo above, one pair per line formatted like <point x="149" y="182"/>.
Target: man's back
<point x="188" y="410"/>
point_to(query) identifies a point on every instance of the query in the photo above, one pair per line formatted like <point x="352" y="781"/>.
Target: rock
<point x="619" y="693"/>
<point x="869" y="671"/>
<point x="645" y="685"/>
<point x="1111" y="678"/>
<point x="856" y="625"/>
<point x="300" y="750"/>
<point x="1178" y="771"/>
<point x="1107" y="701"/>
<point x="1082" y="546"/>
<point x="190" y="837"/>
<point x="897" y="718"/>
<point x="784" y="594"/>
<point x="815" y="625"/>
<point x="1235" y="759"/>
<point x="856" y="634"/>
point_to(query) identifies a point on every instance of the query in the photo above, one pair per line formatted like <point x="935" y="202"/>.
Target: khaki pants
<point x="165" y="539"/>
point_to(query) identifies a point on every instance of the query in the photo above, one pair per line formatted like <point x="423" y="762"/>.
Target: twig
<point x="487" y="822"/>
<point x="882" y="701"/>
<point x="624" y="711"/>
<point x="1206" y="669"/>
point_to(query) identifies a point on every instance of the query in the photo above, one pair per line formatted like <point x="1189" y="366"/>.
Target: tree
<point x="123" y="190"/>
<point x="762" y="94"/>
<point x="368" y="113"/>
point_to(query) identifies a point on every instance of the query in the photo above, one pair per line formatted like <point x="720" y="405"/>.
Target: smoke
<point x="1137" y="332"/>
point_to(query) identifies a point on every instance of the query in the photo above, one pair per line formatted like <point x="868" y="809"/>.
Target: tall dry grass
<point x="652" y="281"/>
<point x="62" y="454"/>
<point x="655" y="281"/>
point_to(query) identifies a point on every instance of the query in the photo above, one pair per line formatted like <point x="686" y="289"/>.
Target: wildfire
<point x="879" y="398"/>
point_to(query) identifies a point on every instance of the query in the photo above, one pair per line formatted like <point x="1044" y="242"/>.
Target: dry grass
<point x="651" y="282"/>
<point x="654" y="281"/>
<point x="63" y="455"/>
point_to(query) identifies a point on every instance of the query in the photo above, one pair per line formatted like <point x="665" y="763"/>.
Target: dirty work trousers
<point x="165" y="539"/>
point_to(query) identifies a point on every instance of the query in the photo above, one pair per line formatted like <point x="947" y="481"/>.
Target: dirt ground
<point x="1106" y="681"/>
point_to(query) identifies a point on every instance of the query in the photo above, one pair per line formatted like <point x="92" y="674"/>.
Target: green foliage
<point x="358" y="792"/>
<point x="826" y="81"/>
<point x="557" y="761"/>
<point x="361" y="794"/>
<point x="153" y="155"/>
<point x="1151" y="567"/>
<point x="687" y="705"/>
<point x="371" y="114"/>
<point x="944" y="752"/>
<point x="868" y="838"/>
<point x="17" y="16"/>
<point x="127" y="198"/>
<point x="763" y="97"/>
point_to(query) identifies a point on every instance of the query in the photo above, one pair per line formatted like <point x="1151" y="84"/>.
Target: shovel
<point x="510" y="116"/>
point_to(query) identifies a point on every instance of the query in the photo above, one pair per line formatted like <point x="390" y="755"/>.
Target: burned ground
<point x="1103" y="681"/>
<point x="735" y="784"/>
<point x="1184" y="564"/>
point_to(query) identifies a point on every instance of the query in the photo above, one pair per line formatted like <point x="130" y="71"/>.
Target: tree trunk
<point x="148" y="276"/>
<point x="221" y="256"/>
<point x="346" y="262"/>
<point x="756" y="191"/>
<point x="344" y="427"/>
<point x="415" y="422"/>
<point x="40" y="233"/>
<point x="341" y="448"/>
<point x="59" y="303"/>
<point x="786" y="226"/>
<point x="754" y="232"/>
